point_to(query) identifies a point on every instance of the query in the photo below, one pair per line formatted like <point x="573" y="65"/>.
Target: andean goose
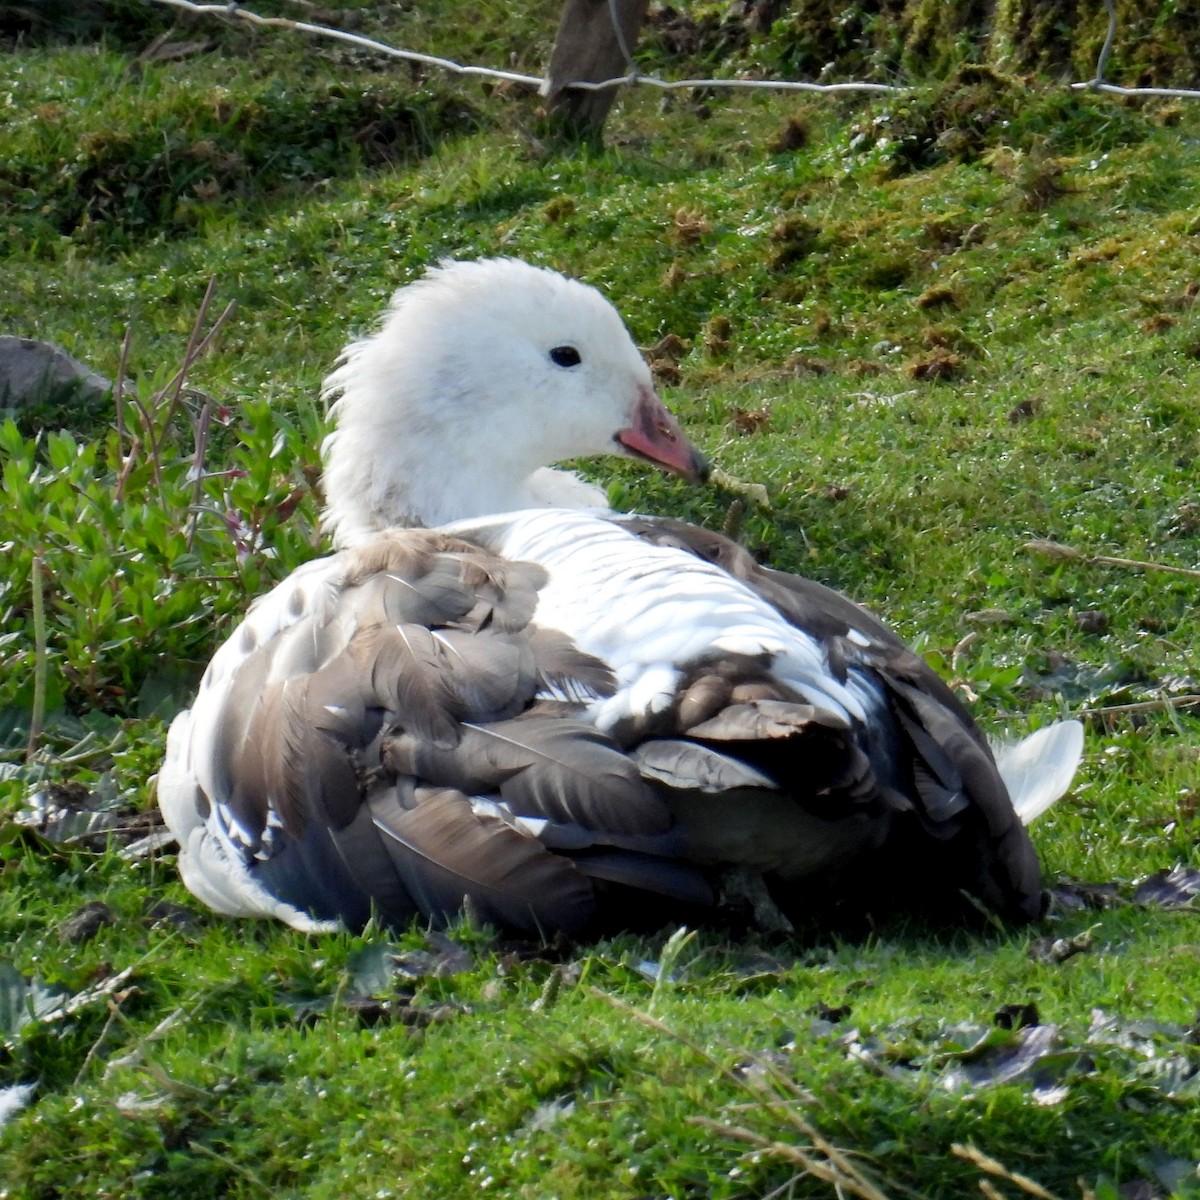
<point x="499" y="695"/>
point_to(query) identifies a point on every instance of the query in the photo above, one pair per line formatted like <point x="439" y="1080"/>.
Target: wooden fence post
<point x="587" y="48"/>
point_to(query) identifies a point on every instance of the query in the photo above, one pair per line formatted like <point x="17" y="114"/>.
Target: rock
<point x="34" y="373"/>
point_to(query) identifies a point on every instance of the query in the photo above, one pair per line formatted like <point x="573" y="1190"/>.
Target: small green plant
<point x="140" y="541"/>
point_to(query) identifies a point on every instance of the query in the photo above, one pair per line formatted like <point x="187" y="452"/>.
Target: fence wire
<point x="633" y="77"/>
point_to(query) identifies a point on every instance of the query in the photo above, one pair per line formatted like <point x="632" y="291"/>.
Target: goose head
<point x="482" y="375"/>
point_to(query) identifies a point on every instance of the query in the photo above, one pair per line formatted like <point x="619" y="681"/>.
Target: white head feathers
<point x="480" y="375"/>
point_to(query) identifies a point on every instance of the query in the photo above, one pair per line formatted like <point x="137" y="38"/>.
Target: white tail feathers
<point x="1038" y="769"/>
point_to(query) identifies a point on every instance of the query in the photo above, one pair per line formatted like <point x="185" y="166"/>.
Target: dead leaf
<point x="666" y="372"/>
<point x="673" y="277"/>
<point x="808" y="364"/>
<point x="1034" y="1052"/>
<point x="989" y="617"/>
<point x="1091" y="620"/>
<point x="793" y="136"/>
<point x="670" y="348"/>
<point x="717" y="331"/>
<point x="938" y="296"/>
<point x="944" y="365"/>
<point x="1159" y="323"/>
<point x="746" y="421"/>
<point x="689" y="226"/>
<point x="835" y="491"/>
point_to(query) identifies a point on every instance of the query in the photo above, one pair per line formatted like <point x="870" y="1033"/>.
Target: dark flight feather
<point x="558" y="768"/>
<point x="446" y="853"/>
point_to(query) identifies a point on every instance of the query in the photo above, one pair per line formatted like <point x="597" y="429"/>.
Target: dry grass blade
<point x="827" y="1172"/>
<point x="1141" y="706"/>
<point x="836" y="1167"/>
<point x="1063" y="553"/>
<point x="990" y="1166"/>
<point x="40" y="663"/>
<point x="203" y="422"/>
<point x="119" y="389"/>
<point x="155" y="418"/>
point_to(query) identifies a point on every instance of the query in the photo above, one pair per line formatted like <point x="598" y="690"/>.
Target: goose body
<point x="498" y="695"/>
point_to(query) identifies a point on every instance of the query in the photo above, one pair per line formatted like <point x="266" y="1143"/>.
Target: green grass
<point x="929" y="349"/>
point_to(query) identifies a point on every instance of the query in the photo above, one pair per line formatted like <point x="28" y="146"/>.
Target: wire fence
<point x="635" y="78"/>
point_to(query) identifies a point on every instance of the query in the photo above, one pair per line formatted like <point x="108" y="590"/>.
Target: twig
<point x="37" y="716"/>
<point x="1063" y="553"/>
<point x="1160" y="705"/>
<point x="1109" y="38"/>
<point x="1097" y="83"/>
<point x="70" y="1005"/>
<point x="196" y="346"/>
<point x="156" y="418"/>
<point x="114" y="1009"/>
<point x="622" y="44"/>
<point x="119" y="390"/>
<point x="735" y="514"/>
<point x="1114" y="90"/>
<point x="779" y="85"/>
<point x="756" y="493"/>
<point x="353" y="39"/>
<point x="135" y="1057"/>
<point x="228" y="1163"/>
<point x="985" y="1163"/>
<point x="203" y="421"/>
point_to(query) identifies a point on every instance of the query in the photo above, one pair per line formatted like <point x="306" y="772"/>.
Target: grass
<point x="929" y="348"/>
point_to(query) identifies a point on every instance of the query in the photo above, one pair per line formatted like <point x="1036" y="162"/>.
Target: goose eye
<point x="565" y="356"/>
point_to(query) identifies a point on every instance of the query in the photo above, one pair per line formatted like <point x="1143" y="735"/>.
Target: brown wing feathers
<point x="326" y="738"/>
<point x="354" y="751"/>
<point x="932" y="769"/>
<point x="443" y="850"/>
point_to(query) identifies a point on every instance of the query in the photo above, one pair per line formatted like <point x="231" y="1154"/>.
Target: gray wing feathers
<point x="351" y="738"/>
<point x="447" y="855"/>
<point x="558" y="768"/>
